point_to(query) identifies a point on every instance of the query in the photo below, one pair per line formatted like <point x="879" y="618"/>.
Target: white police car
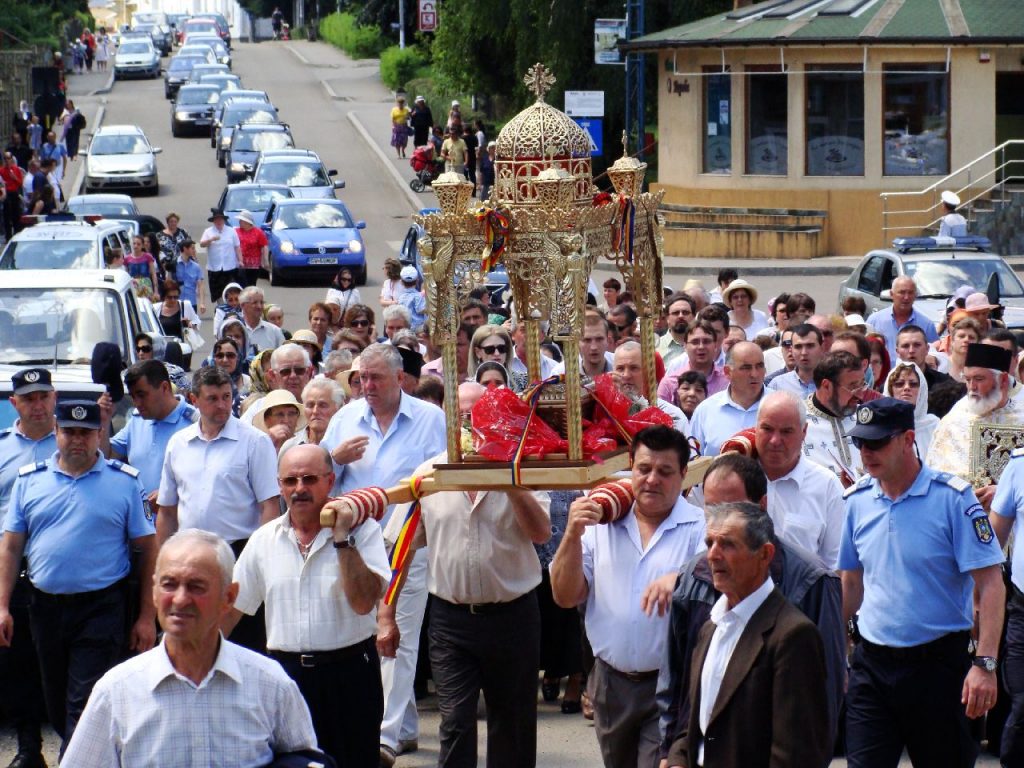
<point x="64" y="241"/>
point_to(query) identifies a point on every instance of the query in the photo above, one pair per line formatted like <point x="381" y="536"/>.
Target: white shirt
<point x="221" y="254"/>
<point x="718" y="418"/>
<point x="265" y="335"/>
<point x="306" y="605"/>
<point x="618" y="570"/>
<point x="729" y="626"/>
<point x="416" y="434"/>
<point x="807" y="508"/>
<point x="679" y="420"/>
<point x="773" y="360"/>
<point x="142" y="712"/>
<point x="547" y="366"/>
<point x="219" y="484"/>
<point x="609" y="365"/>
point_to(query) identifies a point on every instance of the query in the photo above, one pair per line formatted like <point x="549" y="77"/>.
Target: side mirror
<point x="886" y="295"/>
<point x="360" y="224"/>
<point x="339" y="185"/>
<point x="157" y="150"/>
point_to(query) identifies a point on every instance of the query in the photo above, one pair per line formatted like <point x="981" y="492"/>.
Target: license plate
<point x="324" y="260"/>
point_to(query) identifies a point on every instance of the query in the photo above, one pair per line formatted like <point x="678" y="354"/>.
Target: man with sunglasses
<point x="320" y="587"/>
<point x="840" y="384"/>
<point x="262" y="334"/>
<point x="290" y="369"/>
<point x="987" y="376"/>
<point x="915" y="547"/>
<point x="808" y="349"/>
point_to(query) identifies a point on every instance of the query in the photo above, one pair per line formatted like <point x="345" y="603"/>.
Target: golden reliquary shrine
<point x="548" y="224"/>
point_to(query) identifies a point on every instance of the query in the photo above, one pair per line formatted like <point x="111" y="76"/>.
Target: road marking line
<point x="298" y="55"/>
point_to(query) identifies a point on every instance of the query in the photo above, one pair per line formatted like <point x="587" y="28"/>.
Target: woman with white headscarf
<point x="906" y="382"/>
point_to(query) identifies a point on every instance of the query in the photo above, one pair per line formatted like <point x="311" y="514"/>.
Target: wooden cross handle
<point x="398" y="494"/>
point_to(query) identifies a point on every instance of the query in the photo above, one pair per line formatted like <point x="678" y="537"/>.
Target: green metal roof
<point x="848" y="22"/>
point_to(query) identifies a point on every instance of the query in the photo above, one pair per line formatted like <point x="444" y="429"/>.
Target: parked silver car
<point x="121" y="157"/>
<point x="938" y="271"/>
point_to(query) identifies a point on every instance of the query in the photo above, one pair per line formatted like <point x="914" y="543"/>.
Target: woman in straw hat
<point x="740" y="296"/>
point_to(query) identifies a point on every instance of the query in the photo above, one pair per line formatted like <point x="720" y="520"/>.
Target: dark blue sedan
<point x="311" y="239"/>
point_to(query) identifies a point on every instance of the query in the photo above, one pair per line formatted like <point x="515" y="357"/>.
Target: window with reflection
<point x="916" y="109"/>
<point x="767" y="127"/>
<point x="717" y="122"/>
<point x="835" y="120"/>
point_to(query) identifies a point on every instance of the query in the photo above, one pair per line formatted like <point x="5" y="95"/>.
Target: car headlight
<point x="354" y="246"/>
<point x="237" y="167"/>
<point x="181" y="115"/>
<point x="287" y="246"/>
<point x="225" y="142"/>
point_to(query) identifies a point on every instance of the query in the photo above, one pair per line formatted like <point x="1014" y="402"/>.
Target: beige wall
<point x="852" y="202"/>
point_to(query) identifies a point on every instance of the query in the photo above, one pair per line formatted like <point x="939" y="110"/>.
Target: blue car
<point x="312" y="239"/>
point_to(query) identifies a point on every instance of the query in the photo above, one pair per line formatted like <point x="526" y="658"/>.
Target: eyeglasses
<point x="787" y="343"/>
<point x="174" y="296"/>
<point x="295" y="370"/>
<point x="144" y="350"/>
<point x="360" y="323"/>
<point x="344" y="279"/>
<point x="861" y="443"/>
<point x="493" y="349"/>
<point x="225" y="355"/>
<point x="854" y="390"/>
<point x="291" y="481"/>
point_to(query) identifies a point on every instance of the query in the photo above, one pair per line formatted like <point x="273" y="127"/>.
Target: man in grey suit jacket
<point x="757" y="682"/>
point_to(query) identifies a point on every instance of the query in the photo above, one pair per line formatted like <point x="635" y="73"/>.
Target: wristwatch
<point x="988" y="663"/>
<point x="349" y="542"/>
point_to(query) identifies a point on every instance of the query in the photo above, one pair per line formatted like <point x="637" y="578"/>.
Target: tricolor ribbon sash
<point x="497" y="225"/>
<point x="403" y="545"/>
<point x="532" y="396"/>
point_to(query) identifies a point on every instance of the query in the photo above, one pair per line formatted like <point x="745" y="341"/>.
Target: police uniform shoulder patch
<point x="191" y="413"/>
<point x="953" y="481"/>
<point x="983" y="529"/>
<point x="1017" y="452"/>
<point x="128" y="469"/>
<point x="28" y="469"/>
<point x="5" y="432"/>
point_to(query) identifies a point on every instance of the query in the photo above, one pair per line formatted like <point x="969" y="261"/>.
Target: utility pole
<point x="401" y="23"/>
<point x="635" y="127"/>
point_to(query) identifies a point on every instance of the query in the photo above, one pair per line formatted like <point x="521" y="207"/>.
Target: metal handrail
<point x="965" y="191"/>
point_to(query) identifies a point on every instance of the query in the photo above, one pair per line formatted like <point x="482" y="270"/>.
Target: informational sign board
<point x="594" y="128"/>
<point x="428" y="16"/>
<point x="584" y="103"/>
<point x="607" y="33"/>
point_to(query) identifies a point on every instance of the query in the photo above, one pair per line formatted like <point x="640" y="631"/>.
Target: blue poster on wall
<point x="594" y="129"/>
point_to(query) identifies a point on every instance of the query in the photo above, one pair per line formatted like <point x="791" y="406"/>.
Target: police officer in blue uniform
<point x="1006" y="514"/>
<point x="31" y="439"/>
<point x="73" y="516"/>
<point x="157" y="415"/>
<point x="915" y="544"/>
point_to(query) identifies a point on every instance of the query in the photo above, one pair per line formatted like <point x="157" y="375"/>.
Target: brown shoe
<point x="587" y="706"/>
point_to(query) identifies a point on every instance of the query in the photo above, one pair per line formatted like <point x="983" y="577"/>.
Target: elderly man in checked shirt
<point x="196" y="699"/>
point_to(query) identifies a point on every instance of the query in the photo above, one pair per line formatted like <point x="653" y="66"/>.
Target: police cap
<point x="31" y="380"/>
<point x="882" y="417"/>
<point x="78" y="414"/>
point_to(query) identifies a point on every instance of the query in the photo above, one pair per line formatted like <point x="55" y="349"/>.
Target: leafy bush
<point x="399" y="65"/>
<point x="342" y="31"/>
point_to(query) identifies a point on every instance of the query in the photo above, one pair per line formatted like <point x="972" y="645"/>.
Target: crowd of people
<point x="834" y="584"/>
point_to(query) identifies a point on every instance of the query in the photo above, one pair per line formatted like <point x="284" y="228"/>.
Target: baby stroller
<point x="426" y="166"/>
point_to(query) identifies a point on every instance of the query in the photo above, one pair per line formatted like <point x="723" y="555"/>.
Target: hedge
<point x="342" y="31"/>
<point x="400" y="65"/>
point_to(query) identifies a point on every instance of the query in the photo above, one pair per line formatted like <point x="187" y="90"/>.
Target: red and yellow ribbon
<point x="403" y="544"/>
<point x="497" y="225"/>
<point x="532" y="395"/>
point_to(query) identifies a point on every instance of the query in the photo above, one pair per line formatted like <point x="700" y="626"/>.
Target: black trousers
<point x="561" y="653"/>
<point x="909" y="698"/>
<point x="12" y="214"/>
<point x="218" y="280"/>
<point x="78" y="638"/>
<point x="249" y="277"/>
<point x="1012" y="751"/>
<point x="497" y="651"/>
<point x="21" y="690"/>
<point x="346" y="700"/>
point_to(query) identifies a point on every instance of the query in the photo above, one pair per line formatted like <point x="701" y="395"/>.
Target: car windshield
<point x="942" y="278"/>
<point x="205" y="94"/>
<point x="40" y="324"/>
<point x="133" y="47"/>
<point x="214" y="42"/>
<point x="253" y="199"/>
<point x="50" y="254"/>
<point x="191" y="29"/>
<point x="294" y="173"/>
<point x="313" y="216"/>
<point x="144" y="28"/>
<point x="119" y="145"/>
<point x="183" y="64"/>
<point x="233" y="115"/>
<point x="221" y="83"/>
<point x="261" y="141"/>
<point x="111" y="208"/>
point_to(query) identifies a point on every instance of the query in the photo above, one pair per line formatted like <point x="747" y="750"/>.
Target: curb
<point x="97" y="121"/>
<point x="302" y="59"/>
<point x="331" y="94"/>
<point x="106" y="88"/>
<point x="403" y="183"/>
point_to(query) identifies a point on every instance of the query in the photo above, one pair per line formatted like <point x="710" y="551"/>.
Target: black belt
<point x="321" y="658"/>
<point x="483" y="609"/>
<point x="948" y="646"/>
<point x="74" y="598"/>
<point x="633" y="677"/>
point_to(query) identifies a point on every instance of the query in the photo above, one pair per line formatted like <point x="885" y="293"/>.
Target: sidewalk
<point x="87" y="92"/>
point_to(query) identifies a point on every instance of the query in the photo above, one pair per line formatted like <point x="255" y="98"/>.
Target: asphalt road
<point x="295" y="74"/>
